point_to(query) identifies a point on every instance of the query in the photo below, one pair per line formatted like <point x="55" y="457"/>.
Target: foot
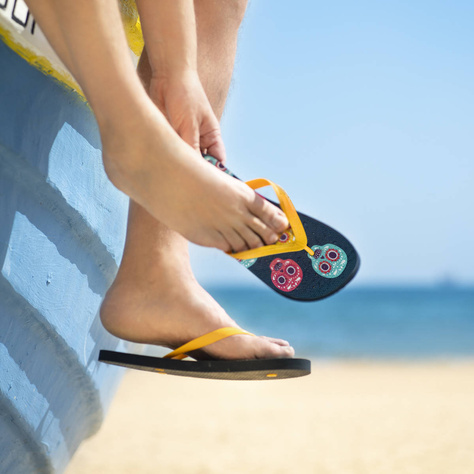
<point x="178" y="188"/>
<point x="166" y="306"/>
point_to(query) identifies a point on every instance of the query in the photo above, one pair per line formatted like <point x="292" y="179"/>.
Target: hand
<point x="183" y="101"/>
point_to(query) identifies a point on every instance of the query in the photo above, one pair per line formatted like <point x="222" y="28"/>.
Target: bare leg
<point x="217" y="45"/>
<point x="143" y="156"/>
<point x="155" y="298"/>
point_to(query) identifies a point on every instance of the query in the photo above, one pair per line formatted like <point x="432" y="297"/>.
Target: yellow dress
<point x="132" y="26"/>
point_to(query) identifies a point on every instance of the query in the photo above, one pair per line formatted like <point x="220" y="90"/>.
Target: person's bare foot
<point x="143" y="156"/>
<point x="166" y="306"/>
<point x="180" y="189"/>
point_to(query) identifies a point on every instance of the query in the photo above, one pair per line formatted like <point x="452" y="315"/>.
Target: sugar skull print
<point x="286" y="237"/>
<point x="328" y="260"/>
<point x="248" y="262"/>
<point x="286" y="274"/>
<point x="219" y="165"/>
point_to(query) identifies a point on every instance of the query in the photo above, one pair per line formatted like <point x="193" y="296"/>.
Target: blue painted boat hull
<point x="62" y="228"/>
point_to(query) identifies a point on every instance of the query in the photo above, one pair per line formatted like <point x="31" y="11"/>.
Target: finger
<point x="217" y="150"/>
<point x="211" y="140"/>
<point x="189" y="132"/>
<point x="191" y="137"/>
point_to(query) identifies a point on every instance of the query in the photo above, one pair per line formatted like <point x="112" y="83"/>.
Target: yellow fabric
<point x="132" y="26"/>
<point x="301" y="240"/>
<point x="203" y="341"/>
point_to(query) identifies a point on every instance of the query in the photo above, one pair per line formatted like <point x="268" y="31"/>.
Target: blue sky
<point x="363" y="112"/>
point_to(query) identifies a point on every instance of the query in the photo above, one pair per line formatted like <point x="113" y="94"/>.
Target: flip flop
<point x="309" y="262"/>
<point x="172" y="363"/>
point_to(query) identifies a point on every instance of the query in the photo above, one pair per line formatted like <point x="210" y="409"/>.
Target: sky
<point x="364" y="113"/>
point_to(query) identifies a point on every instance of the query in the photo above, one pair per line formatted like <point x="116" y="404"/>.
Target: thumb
<point x="217" y="150"/>
<point x="213" y="143"/>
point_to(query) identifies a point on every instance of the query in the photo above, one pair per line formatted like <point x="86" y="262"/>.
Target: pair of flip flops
<point x="309" y="262"/>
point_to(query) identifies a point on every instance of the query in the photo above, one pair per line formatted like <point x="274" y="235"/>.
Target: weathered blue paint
<point x="62" y="228"/>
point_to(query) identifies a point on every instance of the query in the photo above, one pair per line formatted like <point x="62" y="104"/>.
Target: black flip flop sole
<point x="312" y="285"/>
<point x="299" y="276"/>
<point x="265" y="369"/>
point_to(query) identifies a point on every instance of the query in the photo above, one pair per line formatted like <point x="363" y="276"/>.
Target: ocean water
<point x="363" y="323"/>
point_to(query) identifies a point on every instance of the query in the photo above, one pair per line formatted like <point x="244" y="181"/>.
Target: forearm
<point x="169" y="28"/>
<point x="168" y="69"/>
<point x="89" y="38"/>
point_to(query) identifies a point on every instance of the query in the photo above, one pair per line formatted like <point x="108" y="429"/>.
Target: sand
<point x="347" y="417"/>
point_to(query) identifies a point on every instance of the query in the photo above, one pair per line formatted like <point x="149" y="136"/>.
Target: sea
<point x="393" y="323"/>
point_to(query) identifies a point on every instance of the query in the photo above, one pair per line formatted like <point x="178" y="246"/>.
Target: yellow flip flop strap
<point x="301" y="240"/>
<point x="203" y="341"/>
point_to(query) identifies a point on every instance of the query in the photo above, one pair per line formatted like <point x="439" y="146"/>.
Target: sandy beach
<point x="346" y="417"/>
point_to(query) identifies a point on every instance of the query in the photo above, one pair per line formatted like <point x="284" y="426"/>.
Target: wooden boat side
<point x="62" y="228"/>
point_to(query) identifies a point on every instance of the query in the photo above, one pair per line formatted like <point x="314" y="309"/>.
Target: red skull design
<point x="286" y="274"/>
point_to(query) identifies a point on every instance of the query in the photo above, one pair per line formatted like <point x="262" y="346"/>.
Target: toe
<point x="280" y="352"/>
<point x="252" y="238"/>
<point x="272" y="350"/>
<point x="280" y="342"/>
<point x="266" y="233"/>
<point x="270" y="215"/>
<point x="235" y="241"/>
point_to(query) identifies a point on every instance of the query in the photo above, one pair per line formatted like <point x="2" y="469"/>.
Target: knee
<point x="220" y="13"/>
<point x="237" y="9"/>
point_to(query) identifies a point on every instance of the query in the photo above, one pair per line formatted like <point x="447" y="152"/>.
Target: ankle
<point x="158" y="271"/>
<point x="121" y="153"/>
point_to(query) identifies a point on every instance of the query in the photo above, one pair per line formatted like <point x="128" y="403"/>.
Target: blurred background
<point x="363" y="113"/>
